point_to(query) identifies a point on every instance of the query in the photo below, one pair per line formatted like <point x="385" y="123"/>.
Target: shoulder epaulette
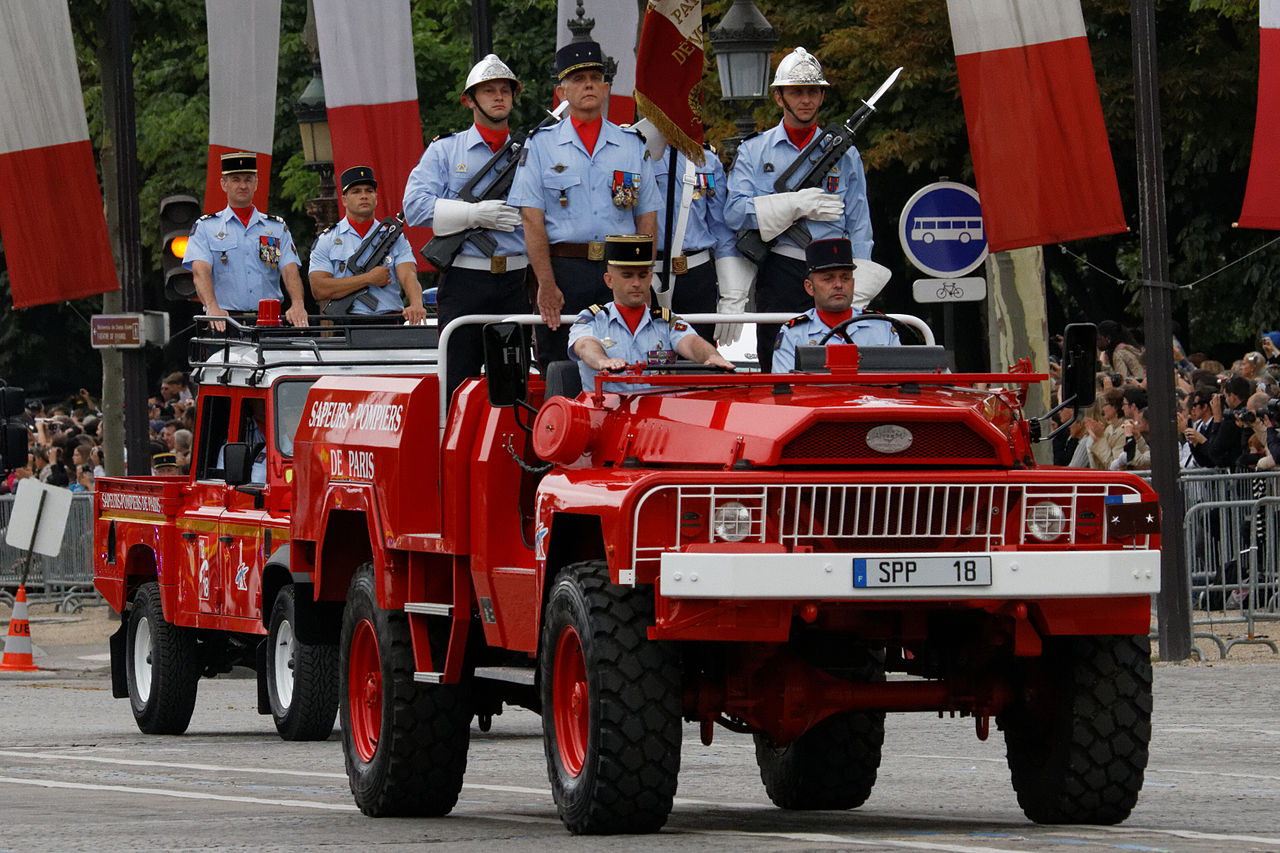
<point x="595" y="309"/>
<point x="540" y="129"/>
<point x="442" y="136"/>
<point x="795" y="321"/>
<point x="661" y="314"/>
<point x="274" y="218"/>
<point x="207" y="216"/>
<point x="751" y="136"/>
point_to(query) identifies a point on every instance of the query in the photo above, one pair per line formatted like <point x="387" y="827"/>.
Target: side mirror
<point x="237" y="463"/>
<point x="13" y="447"/>
<point x="1079" y="353"/>
<point x="506" y="363"/>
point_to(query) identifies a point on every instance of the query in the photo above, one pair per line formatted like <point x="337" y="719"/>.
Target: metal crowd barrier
<point x="66" y="579"/>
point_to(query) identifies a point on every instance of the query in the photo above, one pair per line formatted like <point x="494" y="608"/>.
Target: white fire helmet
<point x="799" y="68"/>
<point x="491" y="68"/>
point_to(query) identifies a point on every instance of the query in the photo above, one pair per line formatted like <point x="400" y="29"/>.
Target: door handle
<point x="226" y="540"/>
<point x="190" y="535"/>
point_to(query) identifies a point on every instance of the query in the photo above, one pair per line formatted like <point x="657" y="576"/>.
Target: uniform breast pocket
<point x="223" y="246"/>
<point x="561" y="187"/>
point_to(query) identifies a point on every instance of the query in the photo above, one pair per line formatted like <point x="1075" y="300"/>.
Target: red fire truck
<point x="785" y="556"/>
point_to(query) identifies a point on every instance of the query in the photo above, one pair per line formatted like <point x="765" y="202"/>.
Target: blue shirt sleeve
<point x="288" y="252"/>
<point x="784" y="351"/>
<point x="650" y="201"/>
<point x="198" y="245"/>
<point x="402" y="252"/>
<point x="857" y="214"/>
<point x="425" y="185"/>
<point x="724" y="236"/>
<point x="526" y="190"/>
<point x="743" y="184"/>
<point x="320" y="259"/>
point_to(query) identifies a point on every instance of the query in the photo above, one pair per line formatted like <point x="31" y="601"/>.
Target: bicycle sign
<point x="949" y="289"/>
<point x="941" y="231"/>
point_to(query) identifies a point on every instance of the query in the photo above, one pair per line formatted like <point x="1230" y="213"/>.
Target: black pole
<point x="1174" y="601"/>
<point x="126" y="145"/>
<point x="667" y="275"/>
<point x="481" y="30"/>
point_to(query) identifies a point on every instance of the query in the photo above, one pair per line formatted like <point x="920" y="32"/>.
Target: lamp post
<point x="317" y="148"/>
<point x="743" y="42"/>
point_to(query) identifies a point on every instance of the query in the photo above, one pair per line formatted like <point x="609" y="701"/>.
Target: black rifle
<point x="817" y="159"/>
<point x="371" y="252"/>
<point x="441" y="250"/>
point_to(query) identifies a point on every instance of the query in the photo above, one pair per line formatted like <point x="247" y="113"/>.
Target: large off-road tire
<point x="302" y="678"/>
<point x="831" y="766"/>
<point x="405" y="743"/>
<point x="1077" y="739"/>
<point x="610" y="705"/>
<point x="162" y="666"/>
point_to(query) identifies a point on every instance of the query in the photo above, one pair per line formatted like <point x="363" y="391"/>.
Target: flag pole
<point x="669" y="226"/>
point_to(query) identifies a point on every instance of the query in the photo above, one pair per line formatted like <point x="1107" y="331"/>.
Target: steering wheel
<point x="842" y="328"/>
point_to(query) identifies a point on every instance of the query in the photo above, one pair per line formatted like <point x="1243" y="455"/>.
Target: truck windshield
<point x="291" y="398"/>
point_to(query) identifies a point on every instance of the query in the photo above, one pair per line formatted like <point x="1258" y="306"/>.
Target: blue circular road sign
<point x="941" y="230"/>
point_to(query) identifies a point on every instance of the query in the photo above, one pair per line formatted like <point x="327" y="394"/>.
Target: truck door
<point x="201" y="586"/>
<point x="241" y="527"/>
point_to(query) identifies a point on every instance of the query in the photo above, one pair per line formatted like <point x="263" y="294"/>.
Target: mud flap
<point x="260" y="664"/>
<point x="119" y="674"/>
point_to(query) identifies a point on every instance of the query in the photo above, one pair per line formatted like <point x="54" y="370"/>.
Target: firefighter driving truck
<point x="783" y="556"/>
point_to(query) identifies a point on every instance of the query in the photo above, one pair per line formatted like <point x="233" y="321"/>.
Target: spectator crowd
<point x="1227" y="417"/>
<point x="65" y="438"/>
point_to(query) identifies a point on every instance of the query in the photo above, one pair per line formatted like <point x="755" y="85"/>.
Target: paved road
<point x="75" y="774"/>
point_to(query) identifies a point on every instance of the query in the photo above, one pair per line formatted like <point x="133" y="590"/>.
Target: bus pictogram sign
<point x="941" y="230"/>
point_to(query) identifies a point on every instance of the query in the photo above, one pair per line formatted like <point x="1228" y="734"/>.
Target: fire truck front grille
<point x="826" y="442"/>
<point x="873" y="517"/>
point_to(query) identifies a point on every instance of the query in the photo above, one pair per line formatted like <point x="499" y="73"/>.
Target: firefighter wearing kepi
<point x="627" y="330"/>
<point x="838" y="287"/>
<point x="474" y="283"/>
<point x="579" y="181"/>
<point x="837" y="209"/>
<point x="239" y="255"/>
<point x="330" y="276"/>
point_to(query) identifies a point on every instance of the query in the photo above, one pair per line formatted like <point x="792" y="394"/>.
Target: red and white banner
<point x="244" y="48"/>
<point x="371" y="90"/>
<point x="1262" y="193"/>
<point x="1039" y="144"/>
<point x="616" y="25"/>
<point x="51" y="218"/>
<point x="668" y="68"/>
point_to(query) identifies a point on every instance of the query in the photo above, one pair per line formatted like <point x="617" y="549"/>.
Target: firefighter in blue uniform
<point x="831" y="285"/>
<point x="331" y="277"/>
<point x="628" y="330"/>
<point x="579" y="181"/>
<point x="836" y="209"/>
<point x="474" y="283"/>
<point x="238" y="256"/>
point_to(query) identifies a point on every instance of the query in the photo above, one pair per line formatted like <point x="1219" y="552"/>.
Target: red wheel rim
<point x="364" y="690"/>
<point x="571" y="712"/>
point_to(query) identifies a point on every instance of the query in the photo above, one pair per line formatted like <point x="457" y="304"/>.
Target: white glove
<point x="735" y="276"/>
<point x="452" y="216"/>
<point x="869" y="278"/>
<point x="654" y="143"/>
<point x="777" y="212"/>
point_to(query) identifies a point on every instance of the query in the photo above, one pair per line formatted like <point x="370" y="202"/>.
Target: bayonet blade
<point x="884" y="87"/>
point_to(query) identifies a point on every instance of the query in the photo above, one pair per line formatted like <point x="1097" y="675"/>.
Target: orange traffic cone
<point x="17" y="647"/>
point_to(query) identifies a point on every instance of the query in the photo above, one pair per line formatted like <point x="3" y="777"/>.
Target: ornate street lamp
<point x="743" y="42"/>
<point x="317" y="148"/>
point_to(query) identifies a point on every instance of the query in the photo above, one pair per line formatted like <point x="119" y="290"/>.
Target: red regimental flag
<point x="51" y="219"/>
<point x="244" y="46"/>
<point x="371" y="92"/>
<point x="1262" y="194"/>
<point x="1039" y="144"/>
<point x="668" y="68"/>
<point x="616" y="22"/>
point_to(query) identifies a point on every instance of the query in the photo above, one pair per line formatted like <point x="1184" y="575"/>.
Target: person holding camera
<point x="1224" y="447"/>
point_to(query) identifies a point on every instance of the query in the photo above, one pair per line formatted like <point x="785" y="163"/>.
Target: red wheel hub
<point x="571" y="712"/>
<point x="364" y="690"/>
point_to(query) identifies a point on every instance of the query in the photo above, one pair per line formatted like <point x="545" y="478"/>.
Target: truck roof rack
<point x="338" y="342"/>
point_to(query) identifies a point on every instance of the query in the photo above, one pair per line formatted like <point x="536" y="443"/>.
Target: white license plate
<point x="921" y="571"/>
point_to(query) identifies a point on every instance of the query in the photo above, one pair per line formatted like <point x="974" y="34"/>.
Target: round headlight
<point x="1046" y="521"/>
<point x="731" y="522"/>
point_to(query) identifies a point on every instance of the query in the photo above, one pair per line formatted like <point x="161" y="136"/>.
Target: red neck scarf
<point x="493" y="138"/>
<point x="800" y="136"/>
<point x="243" y="214"/>
<point x="832" y="320"/>
<point x="361" y="228"/>
<point x="631" y="316"/>
<point x="588" y="131"/>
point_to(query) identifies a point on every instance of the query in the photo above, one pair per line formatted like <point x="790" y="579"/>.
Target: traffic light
<point x="177" y="214"/>
<point x="13" y="436"/>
